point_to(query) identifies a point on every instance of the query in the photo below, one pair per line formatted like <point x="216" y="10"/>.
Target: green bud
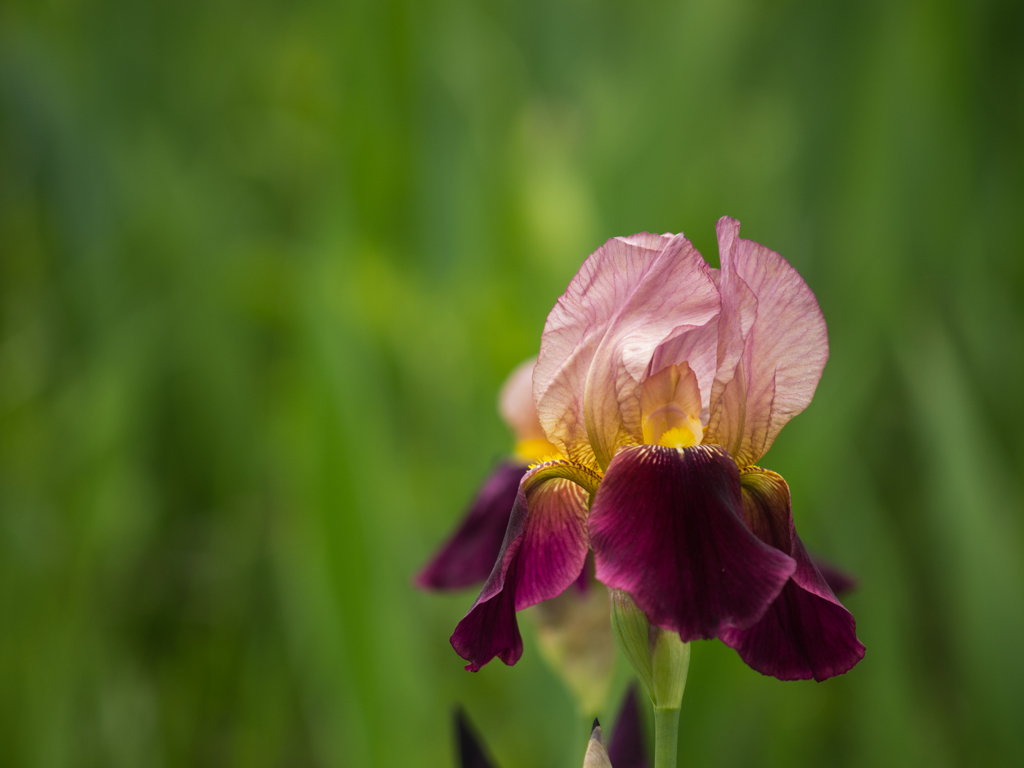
<point x="671" y="663"/>
<point x="633" y="631"/>
<point x="659" y="658"/>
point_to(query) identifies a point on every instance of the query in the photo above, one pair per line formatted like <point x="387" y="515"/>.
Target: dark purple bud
<point x="627" y="748"/>
<point x="471" y="750"/>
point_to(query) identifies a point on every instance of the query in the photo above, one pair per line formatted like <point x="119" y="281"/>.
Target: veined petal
<point x="728" y="396"/>
<point x="628" y="297"/>
<point x="698" y="348"/>
<point x="666" y="526"/>
<point x="806" y="632"/>
<point x="468" y="556"/>
<point x="543" y="552"/>
<point x="784" y="350"/>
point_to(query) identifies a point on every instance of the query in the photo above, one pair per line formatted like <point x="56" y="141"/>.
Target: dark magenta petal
<point x="838" y="580"/>
<point x="468" y="556"/>
<point x="543" y="552"/>
<point x="666" y="526"/>
<point x="806" y="632"/>
<point x="471" y="750"/>
<point x="627" y="748"/>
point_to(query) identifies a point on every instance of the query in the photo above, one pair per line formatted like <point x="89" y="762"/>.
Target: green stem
<point x="666" y="737"/>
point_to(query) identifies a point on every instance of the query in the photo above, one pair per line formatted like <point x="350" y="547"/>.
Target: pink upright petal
<point x="698" y="348"/>
<point x="666" y="526"/>
<point x="469" y="554"/>
<point x="630" y="296"/>
<point x="515" y="403"/>
<point x="543" y="552"/>
<point x="806" y="632"/>
<point x="784" y="350"/>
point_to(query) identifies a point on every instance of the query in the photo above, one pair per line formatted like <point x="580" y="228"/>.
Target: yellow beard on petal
<point x="670" y="408"/>
<point x="678" y="437"/>
<point x="536" y="450"/>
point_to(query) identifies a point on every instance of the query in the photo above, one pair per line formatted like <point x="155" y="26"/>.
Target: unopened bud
<point x="633" y="632"/>
<point x="670" y="660"/>
<point x="597" y="755"/>
<point x="659" y="658"/>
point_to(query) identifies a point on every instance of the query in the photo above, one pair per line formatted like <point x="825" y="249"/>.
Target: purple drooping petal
<point x="627" y="749"/>
<point x="468" y="556"/>
<point x="838" y="580"/>
<point x="806" y="632"/>
<point x="630" y="295"/>
<point x="543" y="552"/>
<point x="784" y="352"/>
<point x="666" y="526"/>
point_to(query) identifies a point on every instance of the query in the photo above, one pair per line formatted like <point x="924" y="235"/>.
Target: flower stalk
<point x="661" y="661"/>
<point x="666" y="737"/>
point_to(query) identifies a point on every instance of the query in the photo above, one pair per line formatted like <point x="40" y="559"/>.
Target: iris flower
<point x="660" y="383"/>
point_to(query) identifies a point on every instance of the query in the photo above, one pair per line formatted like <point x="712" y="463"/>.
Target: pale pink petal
<point x="630" y="296"/>
<point x="698" y="348"/>
<point x="728" y="398"/>
<point x="515" y="403"/>
<point x="784" y="349"/>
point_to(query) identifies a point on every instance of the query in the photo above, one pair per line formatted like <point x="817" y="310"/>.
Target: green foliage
<point x="263" y="267"/>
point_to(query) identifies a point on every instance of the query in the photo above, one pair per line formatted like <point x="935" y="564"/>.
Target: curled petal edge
<point x="543" y="553"/>
<point x="806" y="632"/>
<point x="784" y="349"/>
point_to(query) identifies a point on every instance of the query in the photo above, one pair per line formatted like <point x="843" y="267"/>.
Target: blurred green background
<point x="263" y="266"/>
